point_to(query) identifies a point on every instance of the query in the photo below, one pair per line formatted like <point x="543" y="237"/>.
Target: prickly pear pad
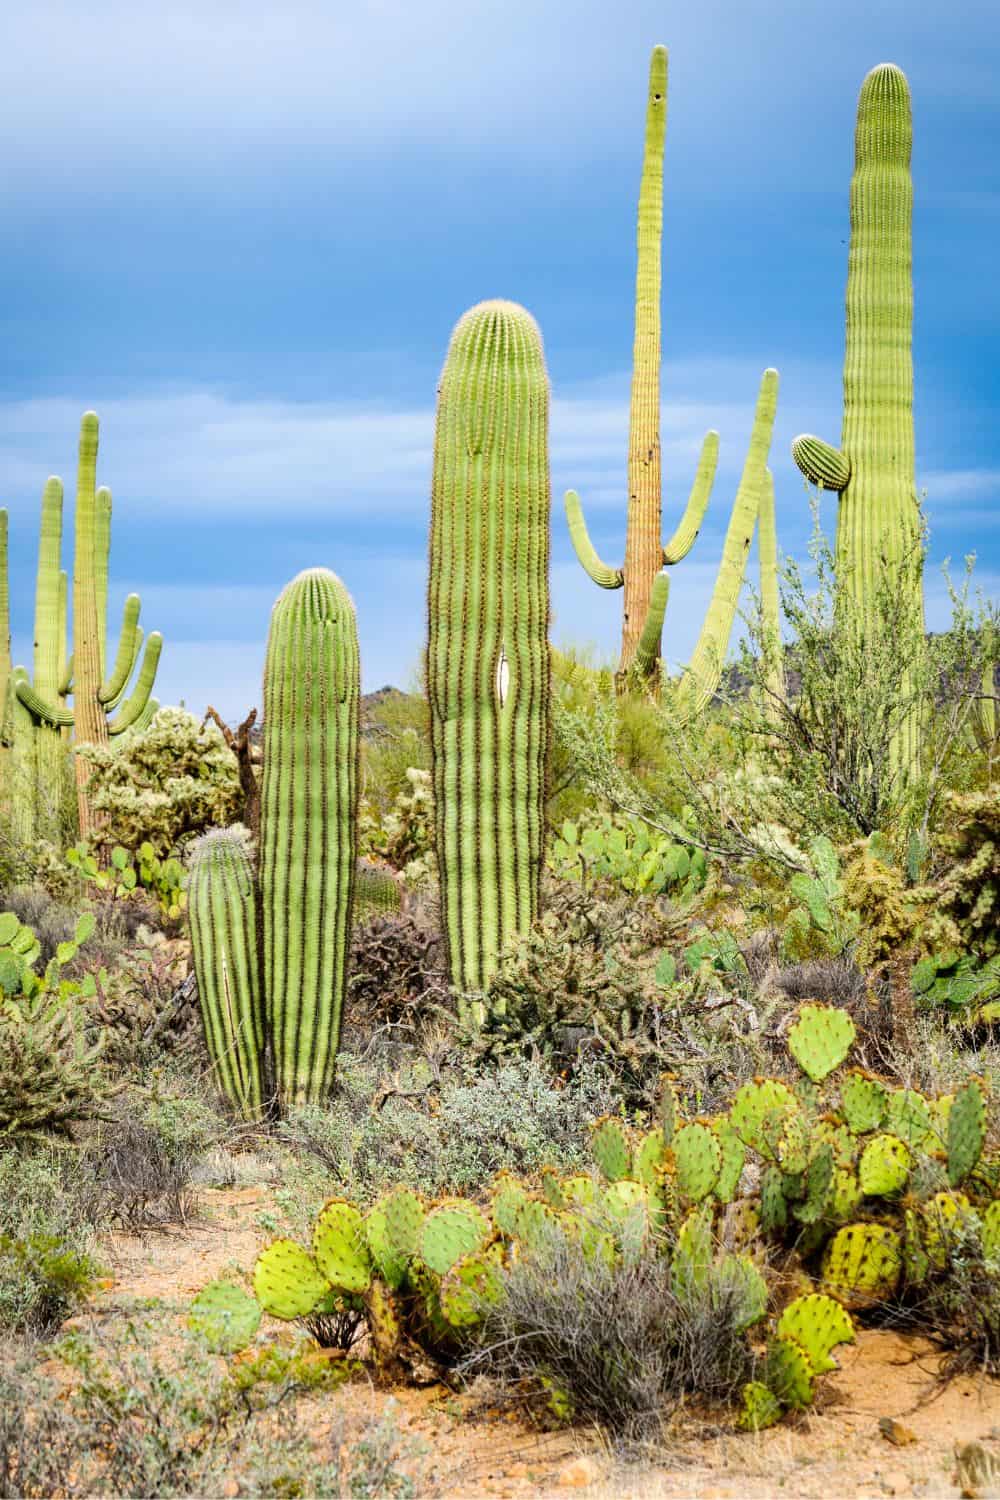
<point x="756" y="1103"/>
<point x="818" y="1324"/>
<point x="340" y="1246"/>
<point x="287" y="1281"/>
<point x="789" y="1372"/>
<point x="761" y="1407"/>
<point x="863" y="1263"/>
<point x="226" y="1316"/>
<point x="450" y="1231"/>
<point x="884" y="1166"/>
<point x="820" y="1039"/>
<point x="610" y="1145"/>
<point x="966" y="1132"/>
<point x="864" y="1101"/>
<point x="698" y="1157"/>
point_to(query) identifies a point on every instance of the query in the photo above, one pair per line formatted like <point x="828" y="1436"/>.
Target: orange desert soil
<point x="835" y="1451"/>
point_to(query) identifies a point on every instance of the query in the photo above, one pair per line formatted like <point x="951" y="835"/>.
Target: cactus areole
<point x="308" y="838"/>
<point x="488" y="654"/>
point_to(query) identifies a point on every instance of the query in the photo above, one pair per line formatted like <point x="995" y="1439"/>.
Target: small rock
<point x="896" y="1483"/>
<point x="895" y="1432"/>
<point x="577" y="1474"/>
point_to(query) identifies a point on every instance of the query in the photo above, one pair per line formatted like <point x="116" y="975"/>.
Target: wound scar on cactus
<point x="503" y="676"/>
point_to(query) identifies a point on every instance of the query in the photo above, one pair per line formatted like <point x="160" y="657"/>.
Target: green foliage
<point x="628" y="852"/>
<point x="53" y="1279"/>
<point x="176" y="779"/>
<point x="959" y="983"/>
<point x="125" y="875"/>
<point x="50" y="1072"/>
<point x="46" y="1230"/>
<point x="966" y="899"/>
<point x="403" y="833"/>
<point x="819" y="923"/>
<point x="20" y="950"/>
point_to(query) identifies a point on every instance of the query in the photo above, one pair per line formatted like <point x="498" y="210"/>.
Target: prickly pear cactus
<point x="610" y="1146"/>
<point x="966" y="1132"/>
<point x="287" y="1281"/>
<point x="820" y="1039"/>
<point x="340" y="1248"/>
<point x="862" y="1263"/>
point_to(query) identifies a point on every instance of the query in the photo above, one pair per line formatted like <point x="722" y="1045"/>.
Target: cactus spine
<point x="83" y="673"/>
<point x="309" y="805"/>
<point x="487" y="654"/>
<point x="222" y="907"/>
<point x="878" y="540"/>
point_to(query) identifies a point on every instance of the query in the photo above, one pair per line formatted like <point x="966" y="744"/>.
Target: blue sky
<point x="243" y="231"/>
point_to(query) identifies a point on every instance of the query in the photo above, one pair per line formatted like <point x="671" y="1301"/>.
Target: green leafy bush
<point x="630" y="854"/>
<point x="126" y="875"/>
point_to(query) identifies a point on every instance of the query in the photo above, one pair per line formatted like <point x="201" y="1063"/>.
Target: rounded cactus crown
<point x="658" y="77"/>
<point x="495" y="355"/>
<point x="318" y="592"/>
<point x="885" y="126"/>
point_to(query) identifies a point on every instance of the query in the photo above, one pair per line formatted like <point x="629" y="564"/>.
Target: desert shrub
<point x="166" y="785"/>
<point x="449" y="1133"/>
<point x="396" y="737"/>
<point x="51" y="1073"/>
<point x="147" y="1003"/>
<point x="959" y="1305"/>
<point x="397" y="972"/>
<point x="617" y="1343"/>
<point x="595" y="979"/>
<point x="52" y="921"/>
<point x="834" y="981"/>
<point x="137" y="1177"/>
<point x="46" y="1231"/>
<point x="134" y="1422"/>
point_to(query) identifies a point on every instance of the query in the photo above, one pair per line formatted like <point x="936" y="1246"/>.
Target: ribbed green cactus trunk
<point x="88" y="716"/>
<point x="222" y="911"/>
<point x="309" y="805"/>
<point x="879" y="530"/>
<point x="50" y="749"/>
<point x="488" y="654"/>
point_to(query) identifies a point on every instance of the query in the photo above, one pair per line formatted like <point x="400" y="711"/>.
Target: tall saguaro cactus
<point x="222" y="910"/>
<point x="96" y="692"/>
<point x="308" y="840"/>
<point x="488" y="654"/>
<point x="645" y="551"/>
<point x="878" y="542"/>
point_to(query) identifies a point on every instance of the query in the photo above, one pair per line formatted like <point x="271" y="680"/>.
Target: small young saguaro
<point x="308" y="832"/>
<point x="488" y="652"/>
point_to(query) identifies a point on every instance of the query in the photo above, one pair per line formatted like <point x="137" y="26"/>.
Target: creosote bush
<point x="617" y="1345"/>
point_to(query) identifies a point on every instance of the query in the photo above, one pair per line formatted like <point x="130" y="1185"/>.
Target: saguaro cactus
<point x="95" y="695"/>
<point x="222" y="909"/>
<point x="878" y="543"/>
<point x="767" y="547"/>
<point x="645" y="551"/>
<point x="309" y="806"/>
<point x="487" y="653"/>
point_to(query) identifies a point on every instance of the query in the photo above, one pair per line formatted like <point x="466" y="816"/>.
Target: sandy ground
<point x="837" y="1450"/>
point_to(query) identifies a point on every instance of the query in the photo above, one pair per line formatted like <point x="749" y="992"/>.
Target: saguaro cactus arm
<point x="684" y="537"/>
<point x="111" y="690"/>
<point x="705" y="667"/>
<point x="648" y="650"/>
<point x="767" y="546"/>
<point x="821" y="464"/>
<point x="133" y="709"/>
<point x="39" y="707"/>
<point x="603" y="576"/>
